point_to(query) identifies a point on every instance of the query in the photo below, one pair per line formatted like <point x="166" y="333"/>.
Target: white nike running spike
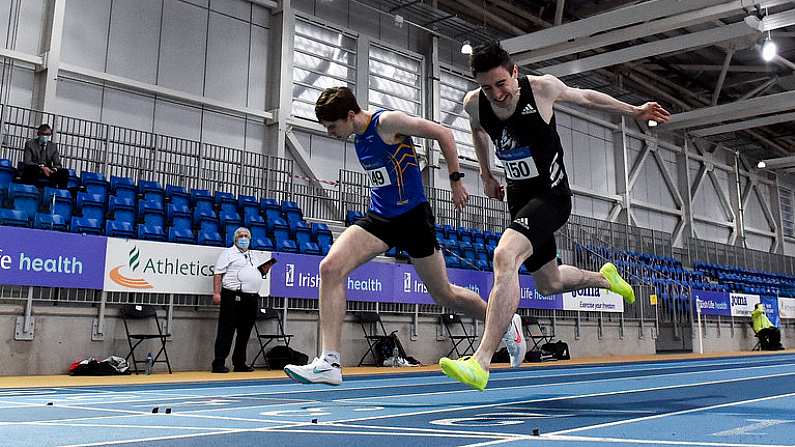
<point x="319" y="371"/>
<point x="515" y="342"/>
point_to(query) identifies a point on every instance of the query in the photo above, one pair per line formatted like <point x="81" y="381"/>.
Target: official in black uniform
<point x="515" y="112"/>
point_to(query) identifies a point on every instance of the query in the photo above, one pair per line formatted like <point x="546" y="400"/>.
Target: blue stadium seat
<point x="122" y="209"/>
<point x="151" y="211"/>
<point x="482" y="265"/>
<point x="464" y="234"/>
<point x="318" y="228"/>
<point x="151" y="191"/>
<point x="478" y="237"/>
<point x="91" y="206"/>
<point x="252" y="219"/>
<point x="47" y="221"/>
<point x="201" y="196"/>
<point x="86" y="225"/>
<point x="259" y="237"/>
<point x="151" y="232"/>
<point x="181" y="235"/>
<point x="300" y="224"/>
<point x="277" y="223"/>
<point x="286" y="245"/>
<point x="116" y="228"/>
<point x="226" y="201"/>
<point x="24" y="198"/>
<point x="452" y="262"/>
<point x="203" y="213"/>
<point x="352" y="216"/>
<point x="177" y="196"/>
<point x="281" y="237"/>
<point x="244" y="200"/>
<point x="292" y="211"/>
<point x="7" y="173"/>
<point x="179" y="209"/>
<point x="62" y="202"/>
<point x="324" y="240"/>
<point x="15" y="218"/>
<point x="392" y="252"/>
<point x="74" y="181"/>
<point x="523" y="270"/>
<point x="302" y="236"/>
<point x="94" y="183"/>
<point x="123" y="187"/>
<point x="212" y="238"/>
<point x="309" y="248"/>
<point x="230" y="221"/>
<point x="270" y="208"/>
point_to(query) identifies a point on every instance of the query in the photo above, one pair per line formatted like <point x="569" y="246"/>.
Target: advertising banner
<point x="159" y="267"/>
<point x="51" y="259"/>
<point x="298" y="276"/>
<point x="786" y="307"/>
<point x="743" y="304"/>
<point x="594" y="300"/>
<point x="713" y="303"/>
<point x="771" y="309"/>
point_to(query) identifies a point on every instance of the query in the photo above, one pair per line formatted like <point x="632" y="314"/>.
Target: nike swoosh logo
<point x="319" y="371"/>
<point x="518" y="338"/>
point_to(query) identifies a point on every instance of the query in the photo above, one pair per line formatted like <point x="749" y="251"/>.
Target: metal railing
<point x="112" y="150"/>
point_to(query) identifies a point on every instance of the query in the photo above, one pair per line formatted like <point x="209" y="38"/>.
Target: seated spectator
<point x="42" y="160"/>
<point x="769" y="336"/>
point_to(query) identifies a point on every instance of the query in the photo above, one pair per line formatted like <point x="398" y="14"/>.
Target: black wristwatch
<point x="456" y="176"/>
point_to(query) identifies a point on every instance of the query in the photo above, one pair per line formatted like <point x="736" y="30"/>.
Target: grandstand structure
<point x="250" y="154"/>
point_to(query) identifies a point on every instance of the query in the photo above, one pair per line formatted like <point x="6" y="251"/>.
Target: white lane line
<point x="560" y="398"/>
<point x="545" y="385"/>
<point x="569" y="439"/>
<point x="673" y="413"/>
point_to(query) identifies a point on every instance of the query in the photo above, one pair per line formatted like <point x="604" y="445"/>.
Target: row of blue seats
<point x="260" y="240"/>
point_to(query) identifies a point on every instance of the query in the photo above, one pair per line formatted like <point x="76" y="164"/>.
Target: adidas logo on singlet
<point x="529" y="109"/>
<point x="523" y="222"/>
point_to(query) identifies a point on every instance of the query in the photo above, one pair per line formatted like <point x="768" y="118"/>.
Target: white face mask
<point x="44" y="139"/>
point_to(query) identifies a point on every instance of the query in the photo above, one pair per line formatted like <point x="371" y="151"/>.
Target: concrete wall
<point x="63" y="334"/>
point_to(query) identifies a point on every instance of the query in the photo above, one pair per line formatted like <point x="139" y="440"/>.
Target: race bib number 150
<point x="522" y="169"/>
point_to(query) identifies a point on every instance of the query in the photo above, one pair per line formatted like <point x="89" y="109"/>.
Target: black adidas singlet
<point x="529" y="148"/>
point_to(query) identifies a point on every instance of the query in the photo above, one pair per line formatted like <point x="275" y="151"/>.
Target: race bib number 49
<point x="522" y="169"/>
<point x="379" y="177"/>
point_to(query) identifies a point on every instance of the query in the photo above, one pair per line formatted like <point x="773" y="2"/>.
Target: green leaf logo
<point x="135" y="256"/>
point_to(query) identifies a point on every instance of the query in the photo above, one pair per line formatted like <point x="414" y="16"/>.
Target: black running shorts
<point x="413" y="231"/>
<point x="537" y="219"/>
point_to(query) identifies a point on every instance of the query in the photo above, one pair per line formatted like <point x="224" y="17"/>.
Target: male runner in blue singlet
<point x="516" y="113"/>
<point x="399" y="216"/>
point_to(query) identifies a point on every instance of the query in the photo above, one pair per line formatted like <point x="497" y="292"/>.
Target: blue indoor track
<point x="739" y="401"/>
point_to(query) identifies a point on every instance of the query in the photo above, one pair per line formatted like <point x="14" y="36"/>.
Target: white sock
<point x="332" y="358"/>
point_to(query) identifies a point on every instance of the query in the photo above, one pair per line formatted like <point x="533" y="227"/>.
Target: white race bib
<point x="379" y="177"/>
<point x="521" y="169"/>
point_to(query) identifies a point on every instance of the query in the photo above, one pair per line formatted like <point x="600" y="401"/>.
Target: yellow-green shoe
<point x="466" y="370"/>
<point x="617" y="283"/>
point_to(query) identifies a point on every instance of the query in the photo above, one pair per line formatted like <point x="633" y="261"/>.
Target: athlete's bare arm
<point x="480" y="138"/>
<point x="551" y="89"/>
<point x="394" y="126"/>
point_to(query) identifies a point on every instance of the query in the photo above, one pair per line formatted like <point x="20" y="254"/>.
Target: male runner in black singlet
<point x="516" y="113"/>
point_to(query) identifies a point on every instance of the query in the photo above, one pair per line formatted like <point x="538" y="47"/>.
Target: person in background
<point x="238" y="278"/>
<point x="42" y="160"/>
<point x="769" y="336"/>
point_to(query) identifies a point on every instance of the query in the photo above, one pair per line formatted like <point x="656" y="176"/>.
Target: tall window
<point x="395" y="80"/>
<point x="324" y="57"/>
<point x="787" y="218"/>
<point x="452" y="88"/>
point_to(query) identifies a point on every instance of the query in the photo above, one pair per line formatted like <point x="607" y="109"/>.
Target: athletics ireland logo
<point x="132" y="265"/>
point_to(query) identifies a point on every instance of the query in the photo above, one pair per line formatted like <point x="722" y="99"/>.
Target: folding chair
<point x="265" y="339"/>
<point x="143" y="312"/>
<point x="371" y="323"/>
<point x="458" y="335"/>
<point x="758" y="345"/>
<point x="536" y="333"/>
